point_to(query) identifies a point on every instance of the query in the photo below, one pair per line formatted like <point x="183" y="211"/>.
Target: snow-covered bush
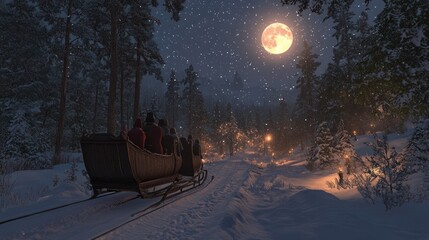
<point x="71" y="172"/>
<point x="384" y="175"/>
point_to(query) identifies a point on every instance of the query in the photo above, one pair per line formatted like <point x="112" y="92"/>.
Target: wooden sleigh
<point x="117" y="164"/>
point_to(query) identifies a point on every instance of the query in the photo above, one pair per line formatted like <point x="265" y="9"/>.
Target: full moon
<point x="277" y="38"/>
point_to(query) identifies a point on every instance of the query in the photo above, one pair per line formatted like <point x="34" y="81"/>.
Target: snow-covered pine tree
<point x="344" y="149"/>
<point x="416" y="153"/>
<point x="384" y="175"/>
<point x="24" y="148"/>
<point x="322" y="153"/>
<point x="26" y="69"/>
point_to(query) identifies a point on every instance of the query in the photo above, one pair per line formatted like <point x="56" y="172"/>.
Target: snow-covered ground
<point x="251" y="197"/>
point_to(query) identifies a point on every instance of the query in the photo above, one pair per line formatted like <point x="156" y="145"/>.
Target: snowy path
<point x="193" y="214"/>
<point x="187" y="217"/>
<point x="249" y="198"/>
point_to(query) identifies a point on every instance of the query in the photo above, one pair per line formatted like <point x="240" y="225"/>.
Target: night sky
<point x="224" y="36"/>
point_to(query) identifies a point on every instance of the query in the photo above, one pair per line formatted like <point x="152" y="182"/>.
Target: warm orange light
<point x="268" y="138"/>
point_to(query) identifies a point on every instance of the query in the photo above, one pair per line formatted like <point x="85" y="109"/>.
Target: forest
<point x="74" y="67"/>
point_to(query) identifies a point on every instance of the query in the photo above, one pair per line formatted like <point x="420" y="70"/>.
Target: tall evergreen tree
<point x="306" y="85"/>
<point x="63" y="90"/>
<point x="194" y="102"/>
<point x="337" y="86"/>
<point x="25" y="73"/>
<point x="147" y="58"/>
<point x="283" y="125"/>
<point x="396" y="70"/>
<point x="115" y="9"/>
<point x="173" y="99"/>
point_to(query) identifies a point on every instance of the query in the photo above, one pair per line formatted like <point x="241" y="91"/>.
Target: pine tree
<point x="173" y="98"/>
<point x="358" y="113"/>
<point x="26" y="72"/>
<point x="416" y="153"/>
<point x="306" y="85"/>
<point x="199" y="116"/>
<point x="23" y="51"/>
<point x="283" y="126"/>
<point x="344" y="149"/>
<point x="396" y="73"/>
<point x="384" y="175"/>
<point x="337" y="88"/>
<point x="322" y="153"/>
<point x="317" y="6"/>
<point x="215" y="123"/>
<point x="194" y="103"/>
<point x="229" y="130"/>
<point x="67" y="31"/>
<point x="139" y="36"/>
<point x="79" y="112"/>
<point x="93" y="29"/>
<point x="25" y="147"/>
<point x="115" y="9"/>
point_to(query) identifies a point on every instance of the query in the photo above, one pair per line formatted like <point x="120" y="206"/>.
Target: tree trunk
<point x="122" y="99"/>
<point x="63" y="90"/>
<point x="113" y="67"/>
<point x="94" y="119"/>
<point x="138" y="83"/>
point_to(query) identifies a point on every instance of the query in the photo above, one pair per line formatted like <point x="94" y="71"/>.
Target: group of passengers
<point x="159" y="138"/>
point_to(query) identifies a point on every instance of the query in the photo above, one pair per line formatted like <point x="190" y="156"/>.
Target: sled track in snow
<point x="165" y="201"/>
<point x="63" y="206"/>
<point x="183" y="187"/>
<point x="192" y="216"/>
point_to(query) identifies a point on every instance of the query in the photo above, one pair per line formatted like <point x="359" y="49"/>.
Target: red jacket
<point x="137" y="135"/>
<point x="153" y="138"/>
